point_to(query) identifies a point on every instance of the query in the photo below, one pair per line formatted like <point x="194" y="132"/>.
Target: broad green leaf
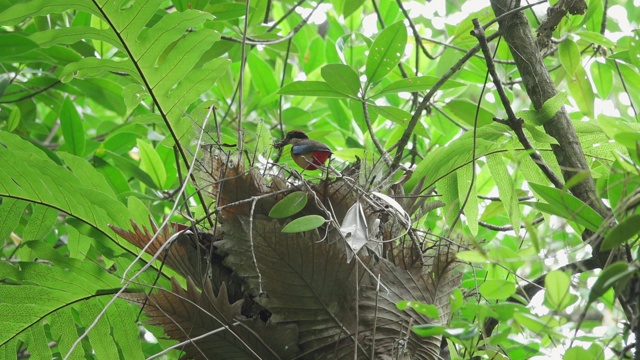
<point x="614" y="274"/>
<point x="467" y="195"/>
<point x="290" y="205"/>
<point x="304" y="223"/>
<point x="15" y="44"/>
<point x="557" y="296"/>
<point x="65" y="332"/>
<point x="506" y="188"/>
<point x="386" y="51"/>
<point x="397" y="115"/>
<point x="569" y="56"/>
<point x="37" y="342"/>
<point x="10" y="213"/>
<point x="466" y="333"/>
<point x="342" y="78"/>
<point x="621" y="233"/>
<point x="262" y="76"/>
<point x="429" y="330"/>
<point x="531" y="322"/>
<point x="496" y="289"/>
<point x="456" y="299"/>
<point x="568" y="206"/>
<point x="596" y="38"/>
<point x="466" y="111"/>
<point x="540" y="136"/>
<point x="129" y="167"/>
<point x="71" y="35"/>
<point x="72" y="128"/>
<point x="30" y="175"/>
<point x="472" y="256"/>
<point x="310" y="88"/>
<point x="548" y="110"/>
<point x="20" y="11"/>
<point x="445" y="160"/>
<point x="102" y="342"/>
<point x="40" y="223"/>
<point x="350" y="6"/>
<point x="602" y="76"/>
<point x="581" y="91"/>
<point x="415" y="84"/>
<point x="576" y="353"/>
<point x="14" y="118"/>
<point x="424" y="309"/>
<point x="95" y="68"/>
<point x="151" y="163"/>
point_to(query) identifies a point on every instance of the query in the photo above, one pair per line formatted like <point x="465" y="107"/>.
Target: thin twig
<point x="374" y="138"/>
<point x="507" y="227"/>
<point x="243" y="64"/>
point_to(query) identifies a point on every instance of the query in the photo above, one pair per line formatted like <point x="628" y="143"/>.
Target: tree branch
<point x="538" y="84"/>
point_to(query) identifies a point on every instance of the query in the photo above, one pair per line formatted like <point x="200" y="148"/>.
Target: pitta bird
<point x="308" y="154"/>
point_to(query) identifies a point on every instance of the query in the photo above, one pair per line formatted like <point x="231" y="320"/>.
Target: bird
<point x="308" y="154"/>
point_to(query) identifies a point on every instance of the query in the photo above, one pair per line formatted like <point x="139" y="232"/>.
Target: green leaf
<point x="445" y="160"/>
<point x="290" y="205"/>
<point x="466" y="111"/>
<point x="547" y="112"/>
<point x="262" y="76"/>
<point x="557" y="296"/>
<point x="429" y="330"/>
<point x="14" y="118"/>
<point x="397" y="115"/>
<point x="581" y="91"/>
<point x="595" y="38"/>
<point x="310" y="88"/>
<point x="29" y="174"/>
<point x="424" y="309"/>
<point x="506" y="188"/>
<point x="350" y="6"/>
<point x="569" y="56"/>
<point x="627" y="229"/>
<point x="416" y="84"/>
<point x="531" y="322"/>
<point x="614" y="274"/>
<point x="496" y="289"/>
<point x="567" y="206"/>
<point x="130" y="168"/>
<point x="72" y="128"/>
<point x="40" y="223"/>
<point x="304" y="223"/>
<point x="472" y="256"/>
<point x="15" y="44"/>
<point x="10" y="213"/>
<point x="341" y="78"/>
<point x="386" y="51"/>
<point x="20" y="11"/>
<point x="602" y="76"/>
<point x="151" y="163"/>
<point x="576" y="353"/>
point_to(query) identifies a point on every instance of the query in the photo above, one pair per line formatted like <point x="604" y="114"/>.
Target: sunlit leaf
<point x="386" y="51"/>
<point x="569" y="56"/>
<point x="497" y="289"/>
<point x="341" y="78"/>
<point x="290" y="205"/>
<point x="311" y="88"/>
<point x="624" y="231"/>
<point x="304" y="223"/>
<point x="614" y="274"/>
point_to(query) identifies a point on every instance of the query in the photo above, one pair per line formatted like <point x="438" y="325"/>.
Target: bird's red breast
<point x="308" y="154"/>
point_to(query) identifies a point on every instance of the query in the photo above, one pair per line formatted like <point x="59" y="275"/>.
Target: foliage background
<point x="101" y="103"/>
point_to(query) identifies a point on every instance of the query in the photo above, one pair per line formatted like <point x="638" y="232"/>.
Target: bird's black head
<point x="296" y="134"/>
